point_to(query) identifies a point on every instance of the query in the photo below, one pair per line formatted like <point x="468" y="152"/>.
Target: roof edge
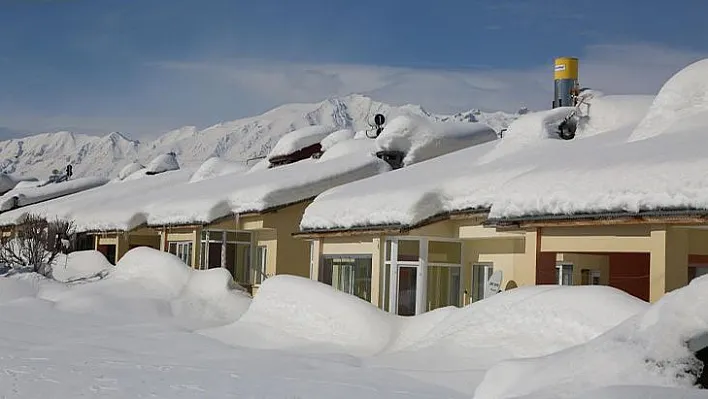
<point x="610" y="217"/>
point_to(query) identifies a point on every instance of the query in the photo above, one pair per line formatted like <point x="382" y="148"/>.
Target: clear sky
<point x="145" y="66"/>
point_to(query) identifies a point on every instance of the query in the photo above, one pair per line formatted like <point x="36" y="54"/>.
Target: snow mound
<point x="534" y="321"/>
<point x="299" y="139"/>
<point x="615" y="112"/>
<point x="18" y="287"/>
<point x="682" y="101"/>
<point x="316" y="312"/>
<point x="214" y="167"/>
<point x="80" y="265"/>
<point x="158" y="284"/>
<point x="420" y="139"/>
<point x="648" y="349"/>
<point x="364" y="146"/>
<point x="336" y="137"/>
<point x="162" y="163"/>
<point x="527" y="130"/>
<point x="129" y="169"/>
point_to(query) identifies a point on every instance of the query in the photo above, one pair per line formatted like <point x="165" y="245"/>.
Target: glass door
<point x="407" y="285"/>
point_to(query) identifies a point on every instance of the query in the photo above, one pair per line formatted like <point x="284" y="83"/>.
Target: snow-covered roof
<point x="214" y="167"/>
<point x="208" y="200"/>
<point x="473" y="178"/>
<point x="661" y="164"/>
<point x="29" y="194"/>
<point x="420" y="138"/>
<point x="114" y="206"/>
<point x="299" y="139"/>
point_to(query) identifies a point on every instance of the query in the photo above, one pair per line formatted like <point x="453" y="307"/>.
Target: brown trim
<point x="609" y="222"/>
<point x="477" y="215"/>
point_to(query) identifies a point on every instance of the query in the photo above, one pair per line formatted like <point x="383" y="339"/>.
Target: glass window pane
<point x="260" y="266"/>
<point x="243" y="237"/>
<point x="388" y="250"/>
<point x="407" y="283"/>
<point x="205" y="235"/>
<point x="480" y="276"/>
<point x="408" y="250"/>
<point x="444" y="252"/>
<point x="443" y="286"/>
<point x="214" y="255"/>
<point x="385" y="286"/>
<point x="173" y="248"/>
<point x="348" y="274"/>
<point x="243" y="262"/>
<point x="231" y="261"/>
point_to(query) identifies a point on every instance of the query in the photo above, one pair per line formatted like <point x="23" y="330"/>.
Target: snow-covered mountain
<point x="237" y="140"/>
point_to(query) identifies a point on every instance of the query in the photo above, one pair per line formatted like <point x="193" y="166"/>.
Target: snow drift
<point x="336" y="137"/>
<point x="648" y="349"/>
<point x="681" y="103"/>
<point x="156" y="283"/>
<point x="162" y="163"/>
<point x="129" y="169"/>
<point x="421" y="139"/>
<point x="215" y="167"/>
<point x="80" y="265"/>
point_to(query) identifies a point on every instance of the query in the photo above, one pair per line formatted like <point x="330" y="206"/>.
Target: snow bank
<point x="299" y="139"/>
<point x="612" y="113"/>
<point x="158" y="284"/>
<point x="129" y="169"/>
<point x="648" y="349"/>
<point x="635" y="392"/>
<point x="420" y="139"/>
<point x="162" y="163"/>
<point x="336" y="137"/>
<point x="312" y="312"/>
<point x="80" y="265"/>
<point x="28" y="195"/>
<point x="534" y="321"/>
<point x="682" y="100"/>
<point x="214" y="167"/>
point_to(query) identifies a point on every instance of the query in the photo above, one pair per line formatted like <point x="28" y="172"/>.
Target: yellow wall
<point x="292" y="254"/>
<point x="625" y="238"/>
<point x="506" y="254"/>
<point x="268" y="238"/>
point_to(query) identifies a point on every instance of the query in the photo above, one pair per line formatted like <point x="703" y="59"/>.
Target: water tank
<point x="565" y="76"/>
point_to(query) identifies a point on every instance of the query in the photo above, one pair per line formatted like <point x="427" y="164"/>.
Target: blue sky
<point x="146" y="66"/>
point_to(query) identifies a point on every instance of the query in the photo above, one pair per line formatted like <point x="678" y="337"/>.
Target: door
<point x="407" y="285"/>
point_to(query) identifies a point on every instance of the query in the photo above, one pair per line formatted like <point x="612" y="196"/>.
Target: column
<point x="376" y="264"/>
<point x="421" y="293"/>
<point x="668" y="267"/>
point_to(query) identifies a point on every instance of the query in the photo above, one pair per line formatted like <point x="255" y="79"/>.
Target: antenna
<point x="379" y="121"/>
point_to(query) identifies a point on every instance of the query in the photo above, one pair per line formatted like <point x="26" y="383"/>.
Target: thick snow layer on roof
<point x="420" y="138"/>
<point x="214" y="167"/>
<point x="648" y="349"/>
<point x="163" y="163"/>
<point x="114" y="206"/>
<point x="682" y="97"/>
<point x="647" y="172"/>
<point x="29" y="195"/>
<point x="364" y="146"/>
<point x="259" y="190"/>
<point x="8" y="181"/>
<point x="336" y="137"/>
<point x="299" y="139"/>
<point x="129" y="169"/>
<point x="477" y="177"/>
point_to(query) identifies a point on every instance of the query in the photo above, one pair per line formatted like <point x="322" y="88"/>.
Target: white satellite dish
<point x="494" y="284"/>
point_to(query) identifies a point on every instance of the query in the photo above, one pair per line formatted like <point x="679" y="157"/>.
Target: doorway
<point x="407" y="285"/>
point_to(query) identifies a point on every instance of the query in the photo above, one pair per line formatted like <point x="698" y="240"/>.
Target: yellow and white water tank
<point x="565" y="76"/>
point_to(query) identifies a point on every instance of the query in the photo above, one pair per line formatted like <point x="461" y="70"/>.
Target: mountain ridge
<point x="236" y="140"/>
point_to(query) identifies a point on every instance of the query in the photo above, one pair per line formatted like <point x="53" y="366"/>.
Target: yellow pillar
<point x="668" y="269"/>
<point x="196" y="241"/>
<point x="315" y="255"/>
<point x="122" y="245"/>
<point x="525" y="268"/>
<point x="376" y="262"/>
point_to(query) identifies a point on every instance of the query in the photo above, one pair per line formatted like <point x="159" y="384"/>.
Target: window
<point x="228" y="249"/>
<point x="481" y="273"/>
<point x="590" y="277"/>
<point x="348" y="273"/>
<point x="182" y="250"/>
<point x="259" y="271"/>
<point x="564" y="274"/>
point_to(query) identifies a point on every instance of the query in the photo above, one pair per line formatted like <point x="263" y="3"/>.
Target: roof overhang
<point x="660" y="216"/>
<point x="478" y="215"/>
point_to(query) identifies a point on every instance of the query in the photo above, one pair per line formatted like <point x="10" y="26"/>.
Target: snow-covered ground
<point x="152" y="327"/>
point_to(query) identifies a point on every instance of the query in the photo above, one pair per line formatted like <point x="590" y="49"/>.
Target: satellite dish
<point x="494" y="284"/>
<point x="379" y="120"/>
